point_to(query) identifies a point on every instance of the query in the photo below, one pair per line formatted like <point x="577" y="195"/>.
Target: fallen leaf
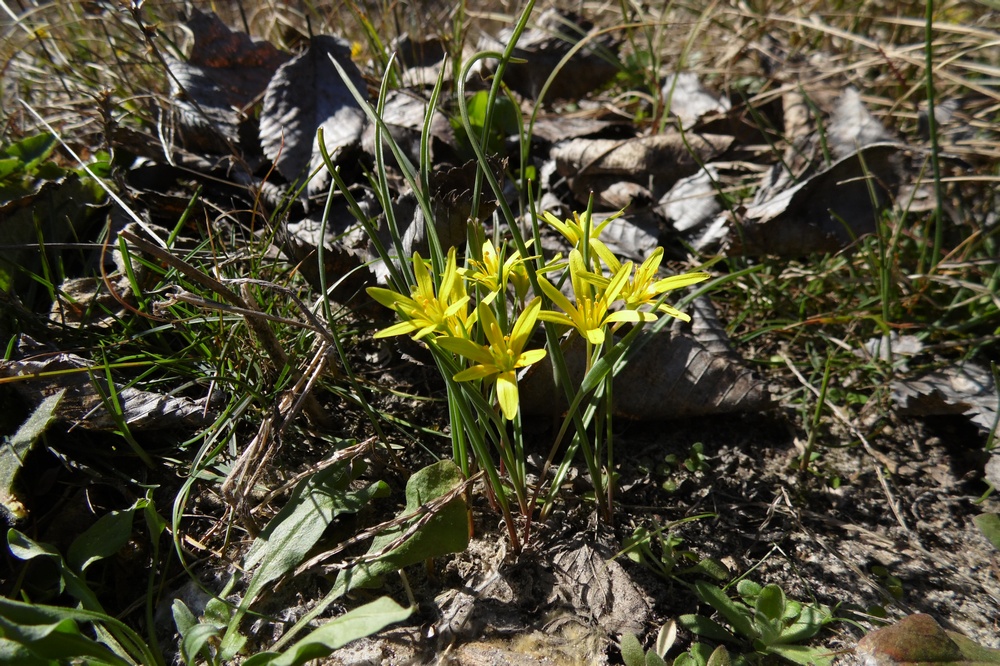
<point x="958" y="389"/>
<point x="595" y="585"/>
<point x="689" y="100"/>
<point x="306" y="94"/>
<point x="85" y="405"/>
<point x="852" y="126"/>
<point x="825" y="212"/>
<point x="225" y="75"/>
<point x="663" y="159"/>
<point x="544" y="46"/>
<point x="691" y="208"/>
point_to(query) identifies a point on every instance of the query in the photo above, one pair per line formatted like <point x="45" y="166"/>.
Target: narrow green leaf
<point x="62" y="641"/>
<point x="801" y="654"/>
<point x="358" y="623"/>
<point x="706" y="627"/>
<point x="737" y="615"/>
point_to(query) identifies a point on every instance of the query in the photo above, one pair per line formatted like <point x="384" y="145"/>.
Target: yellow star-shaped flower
<point x="502" y="357"/>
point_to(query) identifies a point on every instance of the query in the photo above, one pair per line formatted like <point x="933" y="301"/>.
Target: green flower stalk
<point x="424" y="312"/>
<point x="502" y="357"/>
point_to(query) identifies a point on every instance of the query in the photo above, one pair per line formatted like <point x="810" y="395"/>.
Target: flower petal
<point x="466" y="348"/>
<point x="386" y="297"/>
<point x="673" y="312"/>
<point x="524" y="325"/>
<point x="507" y="394"/>
<point x="475" y="372"/>
<point x="399" y="328"/>
<point x="555" y="317"/>
<point x="555" y="296"/>
<point x="606" y="255"/>
<point x="530" y="357"/>
<point x="678" y="281"/>
<point x="619" y="280"/>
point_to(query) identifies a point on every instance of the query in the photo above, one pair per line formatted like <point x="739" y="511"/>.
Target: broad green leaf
<point x="989" y="525"/>
<point x="632" y="652"/>
<point x="184" y="619"/>
<point x="24" y="548"/>
<point x="294" y="531"/>
<point x="30" y="151"/>
<point x="196" y="641"/>
<point x="666" y="637"/>
<point x="748" y="590"/>
<point x="445" y="531"/>
<point x="424" y="534"/>
<point x="770" y="604"/>
<point x="358" y="623"/>
<point x="653" y="659"/>
<point x="719" y="657"/>
<point x="736" y="614"/>
<point x="13" y="453"/>
<point x="769" y="608"/>
<point x="811" y="619"/>
<point x="919" y="639"/>
<point x="12" y="652"/>
<point x="697" y="655"/>
<point x="102" y="539"/>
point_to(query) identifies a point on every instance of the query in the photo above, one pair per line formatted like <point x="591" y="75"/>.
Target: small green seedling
<point x="660" y="550"/>
<point x="761" y="621"/>
<point x="696" y="461"/>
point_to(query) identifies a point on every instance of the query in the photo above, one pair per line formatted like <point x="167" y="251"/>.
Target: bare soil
<point x="895" y="536"/>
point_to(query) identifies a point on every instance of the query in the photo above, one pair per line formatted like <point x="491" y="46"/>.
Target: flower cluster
<point x="605" y="295"/>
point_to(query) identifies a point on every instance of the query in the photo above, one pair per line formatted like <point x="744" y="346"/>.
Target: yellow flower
<point x="591" y="313"/>
<point x="576" y="230"/>
<point x="644" y="288"/>
<point x="489" y="272"/>
<point x="425" y="312"/>
<point x="502" y="357"/>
